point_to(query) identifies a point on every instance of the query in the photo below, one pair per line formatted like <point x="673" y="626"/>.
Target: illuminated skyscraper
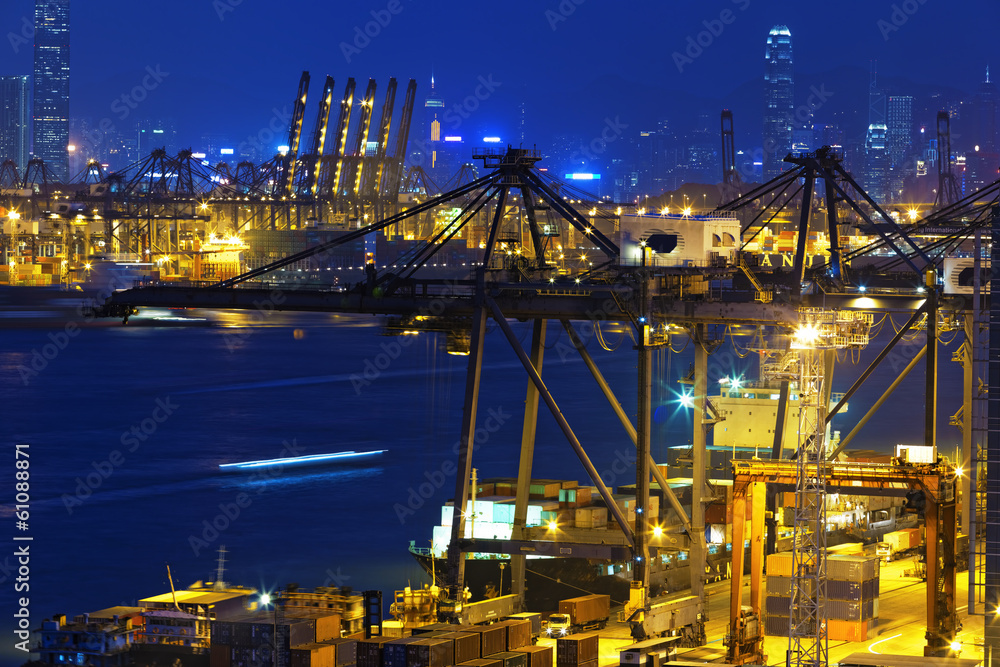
<point x="898" y="141"/>
<point x="778" y="96"/>
<point x="15" y="119"/>
<point x="876" y="176"/>
<point x="433" y="115"/>
<point x="51" y="100"/>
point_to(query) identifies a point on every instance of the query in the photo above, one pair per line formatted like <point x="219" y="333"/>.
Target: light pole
<point x="265" y="599"/>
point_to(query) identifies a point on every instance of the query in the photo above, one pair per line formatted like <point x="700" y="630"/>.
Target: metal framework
<point x="947" y="192"/>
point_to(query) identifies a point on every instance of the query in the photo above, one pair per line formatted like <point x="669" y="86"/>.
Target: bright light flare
<point x="806" y="335"/>
<point x="553" y="525"/>
<point x="657" y="531"/>
<point x="686" y="400"/>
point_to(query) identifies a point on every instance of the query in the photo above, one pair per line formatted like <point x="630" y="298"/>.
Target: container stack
<point x="852" y="587"/>
<point x="503" y="644"/>
<point x="577" y="650"/>
<point x="370" y="651"/>
<point x="851" y="602"/>
<point x="431" y="652"/>
<point x="537" y="656"/>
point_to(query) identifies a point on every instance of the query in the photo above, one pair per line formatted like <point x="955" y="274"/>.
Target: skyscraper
<point x="51" y="100"/>
<point x="15" y="119"/>
<point x="433" y="113"/>
<point x="778" y="96"/>
<point x="899" y="141"/>
<point x="876" y="176"/>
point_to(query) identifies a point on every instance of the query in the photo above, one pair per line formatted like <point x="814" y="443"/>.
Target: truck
<point x="587" y="612"/>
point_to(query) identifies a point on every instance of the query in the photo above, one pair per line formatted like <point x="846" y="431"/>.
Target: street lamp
<point x="265" y="599"/>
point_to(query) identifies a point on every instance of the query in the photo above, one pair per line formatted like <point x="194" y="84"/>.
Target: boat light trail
<point x="312" y="458"/>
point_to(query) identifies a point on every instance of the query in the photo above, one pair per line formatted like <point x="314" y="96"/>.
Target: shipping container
<point x="369" y="651"/>
<point x="511" y="658"/>
<point x="538" y="656"/>
<point x="776" y="626"/>
<point x="851" y="631"/>
<point x="586" y="609"/>
<point x="466" y="645"/>
<point x="312" y="655"/>
<point x="394" y="652"/>
<point x="852" y="568"/>
<point x="576" y="649"/>
<point x="534" y="618"/>
<point x="778" y="606"/>
<point x="780" y="564"/>
<point x="481" y="662"/>
<point x="844" y="590"/>
<point x="433" y="652"/>
<point x="843" y="610"/>
<point x="345" y="651"/>
<point x="492" y="639"/>
<point x="518" y="633"/>
<point x="782" y="586"/>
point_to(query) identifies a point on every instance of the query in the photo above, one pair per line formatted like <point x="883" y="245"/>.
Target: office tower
<point x="898" y="141"/>
<point x="51" y="99"/>
<point x="15" y="119"/>
<point x="876" y="176"/>
<point x="778" y="96"/>
<point x="433" y="115"/>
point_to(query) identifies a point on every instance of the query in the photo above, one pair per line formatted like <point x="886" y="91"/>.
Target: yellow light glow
<point x="806" y="335"/>
<point x="14" y="215"/>
<point x="959" y="472"/>
<point x="665" y="211"/>
<point x="687" y="212"/>
<point x="553" y="525"/>
<point x="955" y="646"/>
<point x="657" y="531"/>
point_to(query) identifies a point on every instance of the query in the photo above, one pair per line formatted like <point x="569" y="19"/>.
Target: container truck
<point x="587" y="612"/>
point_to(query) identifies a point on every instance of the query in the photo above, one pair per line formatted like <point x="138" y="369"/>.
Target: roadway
<point x="900" y="630"/>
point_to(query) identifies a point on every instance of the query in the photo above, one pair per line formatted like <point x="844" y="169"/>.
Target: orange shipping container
<point x="851" y="631"/>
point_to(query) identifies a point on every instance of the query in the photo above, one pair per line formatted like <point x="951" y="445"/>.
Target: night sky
<point x="228" y="63"/>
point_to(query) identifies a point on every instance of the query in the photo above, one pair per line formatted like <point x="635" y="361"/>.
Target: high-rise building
<point x="876" y="176"/>
<point x="778" y="100"/>
<point x="15" y="119"/>
<point x="899" y="141"/>
<point x="51" y="99"/>
<point x="433" y="134"/>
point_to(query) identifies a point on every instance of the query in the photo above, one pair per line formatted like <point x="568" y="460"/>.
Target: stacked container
<point x="518" y="633"/>
<point x="851" y="604"/>
<point x="466" y="645"/>
<point x="852" y="587"/>
<point x="577" y="650"/>
<point x="432" y="652"/>
<point x="369" y="651"/>
<point x="538" y="656"/>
